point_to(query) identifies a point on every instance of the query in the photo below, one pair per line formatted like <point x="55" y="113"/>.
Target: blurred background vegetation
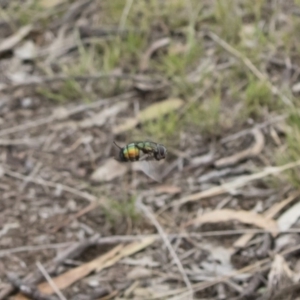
<point x="186" y="73"/>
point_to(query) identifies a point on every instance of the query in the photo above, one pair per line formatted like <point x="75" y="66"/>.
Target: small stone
<point x="26" y="102"/>
<point x="93" y="282"/>
<point x="26" y="51"/>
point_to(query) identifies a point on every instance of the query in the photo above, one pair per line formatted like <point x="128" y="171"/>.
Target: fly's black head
<point x="160" y="153"/>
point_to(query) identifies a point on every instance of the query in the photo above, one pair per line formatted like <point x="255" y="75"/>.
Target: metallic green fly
<point x="143" y="151"/>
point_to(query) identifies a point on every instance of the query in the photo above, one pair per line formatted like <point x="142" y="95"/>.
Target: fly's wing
<point x="149" y="168"/>
<point x="148" y="157"/>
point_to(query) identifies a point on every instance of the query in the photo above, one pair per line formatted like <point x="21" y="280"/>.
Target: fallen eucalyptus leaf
<point x="246" y="217"/>
<point x="10" y="42"/>
<point x="152" y="112"/>
<point x="159" y="109"/>
<point x="110" y="170"/>
<point x="289" y="217"/>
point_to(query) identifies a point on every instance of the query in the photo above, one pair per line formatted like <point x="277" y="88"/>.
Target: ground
<point x="216" y="82"/>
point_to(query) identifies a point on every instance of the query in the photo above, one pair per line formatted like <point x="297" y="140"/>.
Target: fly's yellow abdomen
<point x="131" y="152"/>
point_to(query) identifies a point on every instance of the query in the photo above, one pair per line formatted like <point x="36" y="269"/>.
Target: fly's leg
<point x="117" y="145"/>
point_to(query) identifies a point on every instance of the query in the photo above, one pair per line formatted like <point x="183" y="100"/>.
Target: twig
<point x="164" y="237"/>
<point x="27" y="126"/>
<point x="10" y="251"/>
<point x="254" y="150"/>
<point x="26" y="289"/>
<point x="252" y="286"/>
<point x="7" y="227"/>
<point x="131" y="238"/>
<point x="34" y="172"/>
<point x="51" y="184"/>
<point x="66" y="114"/>
<point x="248" y="63"/>
<point x="82" y="212"/>
<point x="17" y="142"/>
<point x="50" y="281"/>
<point x="125" y="14"/>
<point x="264" y="248"/>
<point x="241" y="133"/>
<point x="74" y="10"/>
<point x="76" y="249"/>
<point x="63" y="77"/>
<point x="232" y="185"/>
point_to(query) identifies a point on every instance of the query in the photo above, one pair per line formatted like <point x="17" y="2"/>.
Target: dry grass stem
<point x="251" y="67"/>
<point x="50" y="281"/>
<point x="166" y="241"/>
<point x="125" y="14"/>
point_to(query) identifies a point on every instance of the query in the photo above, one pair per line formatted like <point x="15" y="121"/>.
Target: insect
<point x="136" y="151"/>
<point x="143" y="151"/>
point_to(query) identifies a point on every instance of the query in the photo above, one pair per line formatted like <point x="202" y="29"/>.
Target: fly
<point x="143" y="151"/>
